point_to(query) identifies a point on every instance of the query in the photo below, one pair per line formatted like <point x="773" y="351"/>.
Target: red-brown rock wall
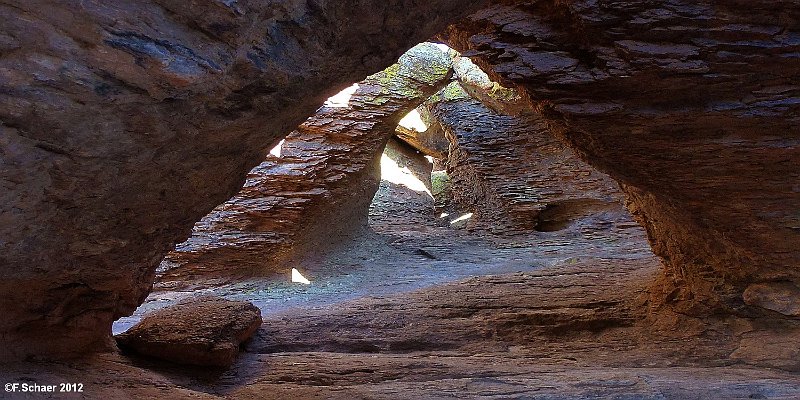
<point x="123" y="123"/>
<point x="511" y="173"/>
<point x="692" y="106"/>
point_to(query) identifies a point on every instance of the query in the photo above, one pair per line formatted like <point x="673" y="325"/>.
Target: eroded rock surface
<point x="512" y="174"/>
<point x="318" y="191"/>
<point x="692" y="106"/>
<point x="570" y="331"/>
<point x="123" y="123"/>
<point x="199" y="331"/>
<point x="430" y="141"/>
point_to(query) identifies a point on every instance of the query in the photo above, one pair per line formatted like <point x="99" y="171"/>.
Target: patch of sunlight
<point x="342" y="99"/>
<point x="392" y="172"/>
<point x="413" y="121"/>
<point x="297" y="277"/>
<point x="429" y="158"/>
<point x="443" y="47"/>
<point x="276" y="151"/>
<point x="443" y="215"/>
<point x="461" y="218"/>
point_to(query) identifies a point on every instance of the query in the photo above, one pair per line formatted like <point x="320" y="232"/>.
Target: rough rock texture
<point x="318" y="192"/>
<point x="691" y="105"/>
<point x="479" y="86"/>
<point x="200" y="331"/>
<point x="123" y="123"/>
<point x="559" y="316"/>
<point x="570" y="331"/>
<point x="406" y="180"/>
<point x="511" y="173"/>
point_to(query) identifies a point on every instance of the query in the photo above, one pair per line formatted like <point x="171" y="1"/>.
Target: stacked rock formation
<point x="508" y="170"/>
<point x="318" y="191"/>
<point x="123" y="123"/>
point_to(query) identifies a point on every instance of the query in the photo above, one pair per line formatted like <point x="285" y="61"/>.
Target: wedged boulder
<point x="318" y="191"/>
<point x="693" y="106"/>
<point x="199" y="331"/>
<point x="430" y="142"/>
<point x="481" y="87"/>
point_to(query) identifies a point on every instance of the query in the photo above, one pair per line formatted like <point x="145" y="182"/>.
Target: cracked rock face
<point x="123" y="123"/>
<point x="318" y="191"/>
<point x="691" y="106"/>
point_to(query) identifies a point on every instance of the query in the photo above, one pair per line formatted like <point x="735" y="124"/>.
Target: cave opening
<point x="421" y="175"/>
<point x="590" y="200"/>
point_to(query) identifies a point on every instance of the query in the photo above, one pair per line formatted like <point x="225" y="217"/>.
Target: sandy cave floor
<point x="418" y="309"/>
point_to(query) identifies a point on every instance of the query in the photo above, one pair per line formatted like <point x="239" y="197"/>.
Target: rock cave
<point x="505" y="199"/>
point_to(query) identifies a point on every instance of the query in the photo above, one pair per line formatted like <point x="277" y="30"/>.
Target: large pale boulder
<point x="199" y="331"/>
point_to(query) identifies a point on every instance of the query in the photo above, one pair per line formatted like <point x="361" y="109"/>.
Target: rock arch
<point x="124" y="123"/>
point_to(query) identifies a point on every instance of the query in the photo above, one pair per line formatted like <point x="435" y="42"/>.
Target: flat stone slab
<point x="200" y="331"/>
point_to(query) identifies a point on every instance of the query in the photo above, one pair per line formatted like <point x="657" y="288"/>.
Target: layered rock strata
<point x="511" y="173"/>
<point x="318" y="191"/>
<point x="123" y="123"/>
<point x="406" y="180"/>
<point x="692" y="106"/>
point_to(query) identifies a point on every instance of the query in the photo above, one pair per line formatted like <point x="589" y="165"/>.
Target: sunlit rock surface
<point x="317" y="192"/>
<point x="692" y="106"/>
<point x="429" y="140"/>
